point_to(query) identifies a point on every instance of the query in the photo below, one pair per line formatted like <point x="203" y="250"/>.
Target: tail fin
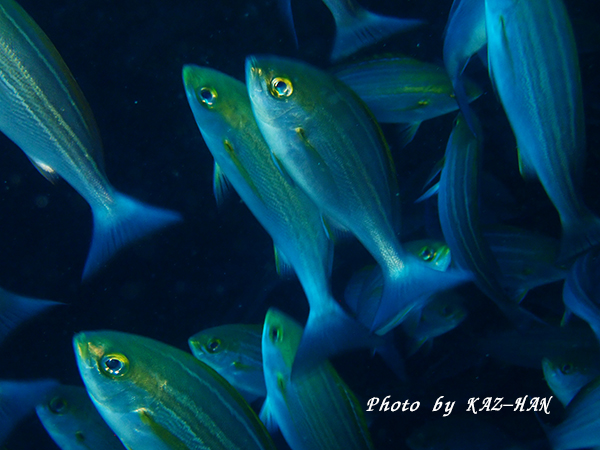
<point x="409" y="286"/>
<point x="285" y="6"/>
<point x="126" y="221"/>
<point x="364" y="28"/>
<point x="328" y="332"/>
<point x="579" y="236"/>
<point x="15" y="309"/>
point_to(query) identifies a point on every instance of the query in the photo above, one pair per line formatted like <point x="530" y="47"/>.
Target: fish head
<point x="215" y="99"/>
<point x="282" y="90"/>
<point x="436" y="254"/>
<point x="215" y="347"/>
<point x="444" y="312"/>
<point x="108" y="368"/>
<point x="280" y="341"/>
<point x="59" y="404"/>
<point x="568" y="372"/>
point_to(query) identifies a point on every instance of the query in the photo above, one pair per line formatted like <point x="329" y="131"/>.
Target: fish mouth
<point x="254" y="74"/>
<point x="86" y="352"/>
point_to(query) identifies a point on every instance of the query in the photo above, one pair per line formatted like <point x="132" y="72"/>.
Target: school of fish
<point x="315" y="154"/>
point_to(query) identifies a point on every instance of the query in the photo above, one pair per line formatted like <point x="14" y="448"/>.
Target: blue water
<point x="217" y="266"/>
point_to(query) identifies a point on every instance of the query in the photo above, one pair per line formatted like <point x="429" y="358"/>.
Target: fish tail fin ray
<point x="409" y="286"/>
<point x="15" y="309"/>
<point x="126" y="221"/>
<point x="285" y="8"/>
<point x="328" y="332"/>
<point x="364" y="29"/>
<point x="579" y="237"/>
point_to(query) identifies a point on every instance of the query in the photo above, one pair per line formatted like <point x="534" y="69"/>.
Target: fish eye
<point x="566" y="368"/>
<point x="57" y="405"/>
<point x="427" y="254"/>
<point x="281" y="87"/>
<point x="275" y="334"/>
<point x="114" y="365"/>
<point x="213" y="346"/>
<point x="206" y="96"/>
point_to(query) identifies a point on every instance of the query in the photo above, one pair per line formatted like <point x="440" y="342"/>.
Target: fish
<point x="16" y="309"/>
<point x="325" y="139"/>
<point x="234" y="352"/>
<point x="18" y="399"/>
<point x="73" y="422"/>
<point x="458" y="209"/>
<point x="436" y="254"/>
<point x="534" y="67"/>
<point x="580" y="291"/>
<point x="44" y="112"/>
<point x="566" y="374"/>
<point x="443" y="312"/>
<point x="314" y="410"/>
<point x="356" y="27"/>
<point x="581" y="426"/>
<point x="403" y="90"/>
<point x="465" y="35"/>
<point x="303" y="244"/>
<point x="363" y="294"/>
<point x="527" y="259"/>
<point x="156" y="396"/>
<point x="364" y="290"/>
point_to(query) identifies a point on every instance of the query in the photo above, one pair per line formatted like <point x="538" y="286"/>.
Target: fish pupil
<point x="207" y="96"/>
<point x="427" y="254"/>
<point x="281" y="87"/>
<point x="57" y="405"/>
<point x="274" y="334"/>
<point x="566" y="369"/>
<point x="213" y="345"/>
<point x="115" y="365"/>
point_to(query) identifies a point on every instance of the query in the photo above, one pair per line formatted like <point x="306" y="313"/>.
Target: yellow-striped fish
<point x="155" y="396"/>
<point x="315" y="410"/>
<point x="533" y="63"/>
<point x="73" y="422"/>
<point x="43" y="111"/>
<point x="233" y="351"/>
<point x="326" y="139"/>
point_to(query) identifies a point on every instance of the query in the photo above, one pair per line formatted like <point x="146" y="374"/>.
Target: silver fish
<point x="326" y="140"/>
<point x="532" y="61"/>
<point x="155" y="396"/>
<point x="234" y="352"/>
<point x="73" y="422"/>
<point x="403" y="90"/>
<point x="464" y="36"/>
<point x="43" y="111"/>
<point x="581" y="291"/>
<point x="223" y="113"/>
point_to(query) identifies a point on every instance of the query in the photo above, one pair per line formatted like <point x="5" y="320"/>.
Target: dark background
<point x="217" y="266"/>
